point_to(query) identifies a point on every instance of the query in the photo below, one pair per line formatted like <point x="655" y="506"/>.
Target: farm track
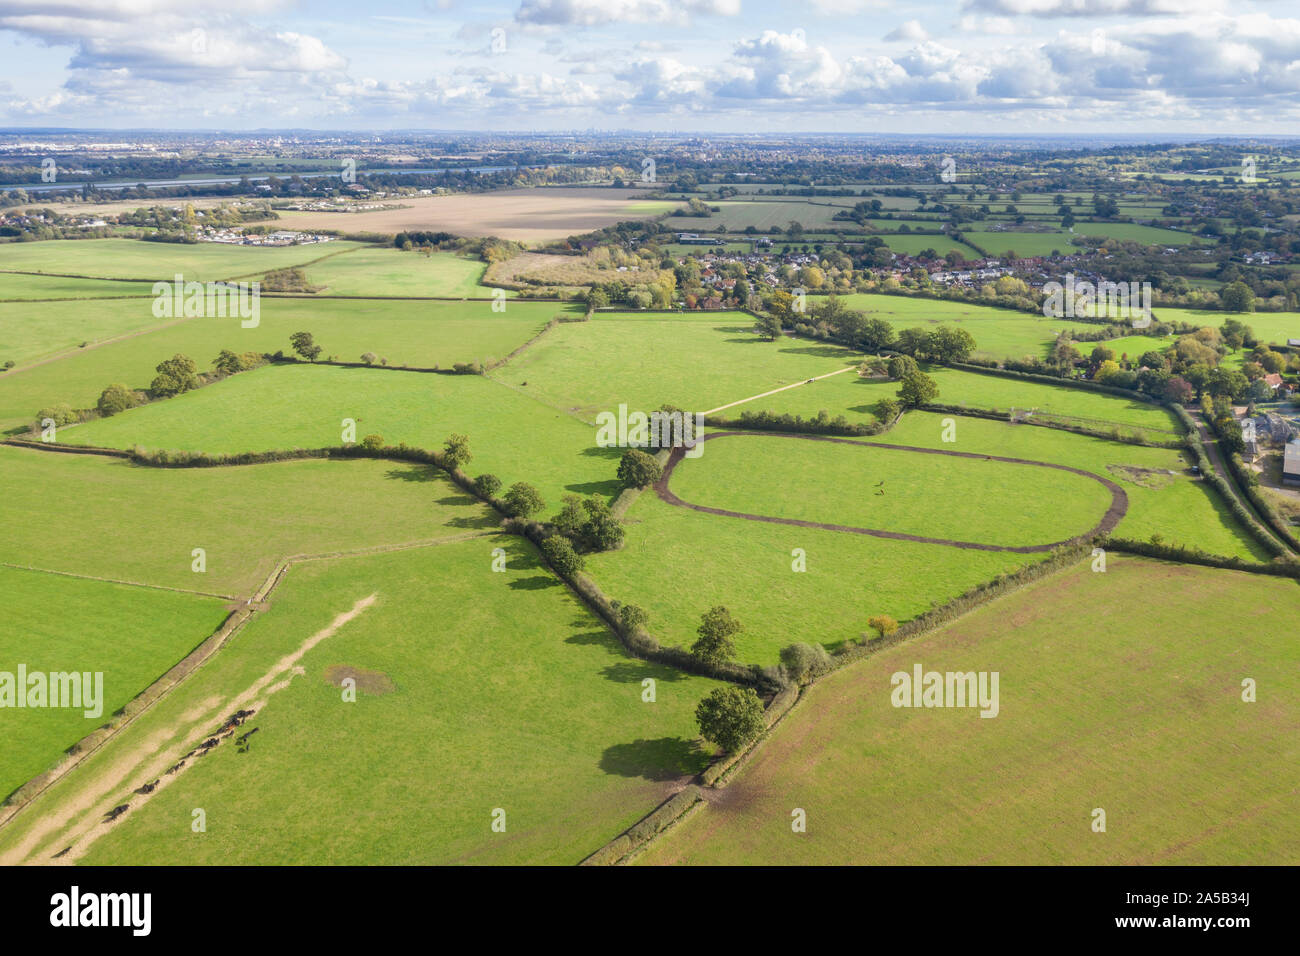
<point x="1118" y="506"/>
<point x="240" y="615"/>
<point x="83" y="816"/>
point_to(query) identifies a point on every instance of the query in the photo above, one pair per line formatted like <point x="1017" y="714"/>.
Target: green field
<point x="763" y="213"/>
<point x="108" y="518"/>
<point x="998" y="333"/>
<point x="1119" y="691"/>
<point x="16" y="286"/>
<point x="30" y="331"/>
<point x="855" y="397"/>
<point x="677" y="563"/>
<point x="931" y="496"/>
<point x="1269" y="327"/>
<point x="138" y="259"/>
<point x="479" y="691"/>
<point x="913" y="245"/>
<point x="696" y="362"/>
<point x="57" y="623"/>
<point x="1163" y="498"/>
<point x="419" y="334"/>
<point x="1003" y="242"/>
<point x="302" y="406"/>
<point x="385" y="271"/>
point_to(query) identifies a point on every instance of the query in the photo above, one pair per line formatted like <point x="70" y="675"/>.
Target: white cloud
<point x="590" y="13"/>
<point x="909" y="30"/>
<point x="1095" y="8"/>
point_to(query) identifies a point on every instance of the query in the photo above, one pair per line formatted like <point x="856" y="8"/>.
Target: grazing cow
<point x="116" y="812"/>
<point x="147" y="788"/>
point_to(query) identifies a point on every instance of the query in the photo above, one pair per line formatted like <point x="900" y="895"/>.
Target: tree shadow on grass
<point x="667" y="758"/>
<point x="609" y="489"/>
<point x="537" y="583"/>
<point x="589" y="638"/>
<point x="417" y="473"/>
<point x="599" y="451"/>
<point x="633" y="672"/>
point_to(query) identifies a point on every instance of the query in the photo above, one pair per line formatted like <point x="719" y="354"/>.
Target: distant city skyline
<point x="1141" y="68"/>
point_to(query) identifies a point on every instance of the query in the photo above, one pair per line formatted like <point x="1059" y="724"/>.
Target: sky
<point x="1025" y="67"/>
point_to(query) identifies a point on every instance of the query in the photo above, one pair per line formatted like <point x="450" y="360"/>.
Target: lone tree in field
<point x="559" y="552"/>
<point x="455" y="451"/>
<point x="769" y="326"/>
<point x="917" y="388"/>
<point x="730" y="717"/>
<point x="636" y="469"/>
<point x="175" y="375"/>
<point x="882" y="624"/>
<point x="522" y="500"/>
<point x="715" y="645"/>
<point x="305" y="345"/>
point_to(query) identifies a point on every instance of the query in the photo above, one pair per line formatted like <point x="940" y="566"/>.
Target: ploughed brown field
<point x="526" y="215"/>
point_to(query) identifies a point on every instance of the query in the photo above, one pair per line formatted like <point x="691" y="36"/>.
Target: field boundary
<point x="1109" y="520"/>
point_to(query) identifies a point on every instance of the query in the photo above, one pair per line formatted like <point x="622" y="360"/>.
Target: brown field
<point x="1120" y="691"/>
<point x="525" y="215"/>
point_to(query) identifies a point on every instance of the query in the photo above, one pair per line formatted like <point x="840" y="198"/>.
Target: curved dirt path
<point x="1118" y="499"/>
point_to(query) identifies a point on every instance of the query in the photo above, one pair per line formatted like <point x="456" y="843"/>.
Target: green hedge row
<point x="1079" y="383"/>
<point x="1186" y="555"/>
<point x="771" y="421"/>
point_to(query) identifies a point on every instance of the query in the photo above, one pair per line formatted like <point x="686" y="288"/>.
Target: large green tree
<point x="715" y="645"/>
<point x="730" y="717"/>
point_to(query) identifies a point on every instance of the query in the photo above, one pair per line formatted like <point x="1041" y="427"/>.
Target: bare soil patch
<point x="526" y="215"/>
<point x="368" y="682"/>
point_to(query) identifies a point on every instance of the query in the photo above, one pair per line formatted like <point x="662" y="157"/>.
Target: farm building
<point x="1291" y="463"/>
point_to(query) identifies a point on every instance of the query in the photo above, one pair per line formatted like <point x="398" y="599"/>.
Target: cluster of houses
<point x="283" y="237"/>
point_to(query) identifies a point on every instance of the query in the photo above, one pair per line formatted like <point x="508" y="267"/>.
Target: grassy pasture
<point x="763" y="213"/>
<point x="300" y="406"/>
<point x="105" y="517"/>
<point x="138" y="259"/>
<point x="32" y="331"/>
<point x="386" y="271"/>
<point x="677" y="563"/>
<point x="1134" y="232"/>
<point x="998" y="333"/>
<point x="1119" y="690"/>
<point x="58" y="623"/>
<point x="22" y="287"/>
<point x="491" y="691"/>
<point x="855" y="397"/>
<point x="1178" y="507"/>
<point x="1000" y="243"/>
<point x="913" y="244"/>
<point x="406" y="333"/>
<point x="694" y="361"/>
<point x="1271" y="327"/>
<point x="932" y="496"/>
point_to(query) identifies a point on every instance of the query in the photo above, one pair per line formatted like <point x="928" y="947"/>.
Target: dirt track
<point x="1116" y="511"/>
